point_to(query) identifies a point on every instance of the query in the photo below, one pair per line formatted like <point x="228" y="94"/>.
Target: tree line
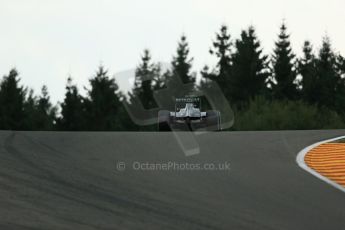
<point x="266" y="91"/>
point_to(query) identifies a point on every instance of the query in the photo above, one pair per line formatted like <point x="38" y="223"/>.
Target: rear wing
<point x="181" y="102"/>
<point x="188" y="100"/>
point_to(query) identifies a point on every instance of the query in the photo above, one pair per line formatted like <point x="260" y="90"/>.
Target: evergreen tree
<point x="161" y="80"/>
<point x="250" y="68"/>
<point x="182" y="64"/>
<point x="206" y="76"/>
<point x="146" y="76"/>
<point x="308" y="70"/>
<point x="147" y="80"/>
<point x="12" y="98"/>
<point x="221" y="74"/>
<point x="340" y="69"/>
<point x="330" y="83"/>
<point x="180" y="80"/>
<point x="284" y="73"/>
<point x="45" y="112"/>
<point x="341" y="65"/>
<point x="31" y="112"/>
<point x="72" y="109"/>
<point x="123" y="117"/>
<point x="103" y="103"/>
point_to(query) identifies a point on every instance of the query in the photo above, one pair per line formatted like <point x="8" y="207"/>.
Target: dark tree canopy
<point x="221" y="48"/>
<point x="284" y="74"/>
<point x="146" y="77"/>
<point x="12" y="97"/>
<point x="181" y="63"/>
<point x="285" y="92"/>
<point x="147" y="80"/>
<point x="72" y="109"/>
<point x="307" y="70"/>
<point x="249" y="69"/>
<point x="179" y="79"/>
<point x="330" y="83"/>
<point x="103" y="102"/>
<point x="31" y="111"/>
<point x="46" y="112"/>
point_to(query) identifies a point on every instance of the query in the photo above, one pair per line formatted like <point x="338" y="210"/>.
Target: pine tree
<point x="12" y="98"/>
<point x="221" y="74"/>
<point x="161" y="80"/>
<point x="181" y="63"/>
<point x="206" y="76"/>
<point x="308" y="70"/>
<point x="146" y="76"/>
<point x="179" y="79"/>
<point x="147" y="80"/>
<point x="123" y="117"/>
<point x="45" y="113"/>
<point x="250" y="68"/>
<point x="222" y="50"/>
<point x="284" y="73"/>
<point x="103" y="103"/>
<point x="340" y="97"/>
<point x="341" y="65"/>
<point x="31" y="112"/>
<point x="72" y="109"/>
<point x="329" y="80"/>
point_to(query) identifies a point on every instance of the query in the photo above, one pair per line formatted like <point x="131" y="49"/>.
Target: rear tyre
<point x="164" y="121"/>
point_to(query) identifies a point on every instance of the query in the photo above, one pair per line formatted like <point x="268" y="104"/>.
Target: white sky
<point x="47" y="40"/>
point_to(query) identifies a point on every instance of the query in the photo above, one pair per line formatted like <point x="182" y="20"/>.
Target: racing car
<point x="189" y="117"/>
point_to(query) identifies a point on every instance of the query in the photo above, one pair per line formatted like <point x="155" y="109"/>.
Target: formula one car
<point x="188" y="117"/>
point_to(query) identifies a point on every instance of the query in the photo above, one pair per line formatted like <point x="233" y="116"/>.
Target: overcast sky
<point x="46" y="40"/>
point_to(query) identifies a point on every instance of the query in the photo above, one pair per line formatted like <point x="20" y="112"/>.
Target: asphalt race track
<point x="69" y="181"/>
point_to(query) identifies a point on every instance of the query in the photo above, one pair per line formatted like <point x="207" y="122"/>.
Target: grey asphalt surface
<point x="69" y="181"/>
